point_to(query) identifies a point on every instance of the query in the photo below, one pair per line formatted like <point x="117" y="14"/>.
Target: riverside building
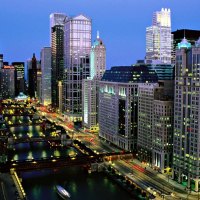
<point x="186" y="151"/>
<point x="118" y="104"/>
<point x="90" y="85"/>
<point x="155" y="126"/>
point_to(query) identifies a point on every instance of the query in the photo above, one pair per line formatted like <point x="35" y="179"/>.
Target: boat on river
<point x="62" y="192"/>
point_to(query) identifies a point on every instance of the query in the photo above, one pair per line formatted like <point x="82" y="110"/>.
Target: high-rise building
<point x="46" y="76"/>
<point x="155" y="126"/>
<point x="191" y="35"/>
<point x="57" y="53"/>
<point x="8" y="82"/>
<point x="1" y="61"/>
<point x="118" y="104"/>
<point x="19" y="81"/>
<point x="186" y="149"/>
<point x="90" y="104"/>
<point x="32" y="73"/>
<point x="97" y="59"/>
<point x="77" y="46"/>
<point x="159" y="38"/>
<point x="90" y="85"/>
<point x="1" y="66"/>
<point x="39" y="85"/>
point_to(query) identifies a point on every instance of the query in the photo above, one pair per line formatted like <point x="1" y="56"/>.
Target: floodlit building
<point x="191" y="35"/>
<point x="46" y="76"/>
<point x="159" y="38"/>
<point x="90" y="85"/>
<point x="118" y="104"/>
<point x="155" y="126"/>
<point x="186" y="151"/>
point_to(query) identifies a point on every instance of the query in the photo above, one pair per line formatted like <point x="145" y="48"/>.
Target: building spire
<point x="97" y="34"/>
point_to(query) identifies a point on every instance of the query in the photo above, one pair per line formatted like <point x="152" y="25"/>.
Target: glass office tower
<point x="57" y="53"/>
<point x="77" y="46"/>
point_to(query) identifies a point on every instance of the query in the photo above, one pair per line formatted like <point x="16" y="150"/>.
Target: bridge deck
<point x="59" y="162"/>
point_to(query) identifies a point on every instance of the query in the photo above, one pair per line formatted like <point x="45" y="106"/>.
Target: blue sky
<point x="24" y="25"/>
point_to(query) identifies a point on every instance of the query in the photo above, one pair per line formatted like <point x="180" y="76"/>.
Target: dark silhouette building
<point x="19" y="77"/>
<point x="57" y="53"/>
<point x="32" y="85"/>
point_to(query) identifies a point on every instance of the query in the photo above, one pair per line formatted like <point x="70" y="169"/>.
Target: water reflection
<point x="76" y="181"/>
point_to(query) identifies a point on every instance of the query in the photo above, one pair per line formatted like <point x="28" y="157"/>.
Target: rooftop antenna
<point x="97" y="34"/>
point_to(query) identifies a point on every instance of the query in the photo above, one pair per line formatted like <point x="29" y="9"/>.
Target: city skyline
<point x="20" y="37"/>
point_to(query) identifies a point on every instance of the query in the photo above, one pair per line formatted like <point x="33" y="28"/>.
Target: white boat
<point x="62" y="192"/>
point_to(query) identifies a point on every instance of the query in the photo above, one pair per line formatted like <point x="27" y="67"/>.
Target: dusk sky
<point x="25" y="24"/>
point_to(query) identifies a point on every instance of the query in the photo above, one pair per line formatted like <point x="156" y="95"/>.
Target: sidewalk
<point x="163" y="177"/>
<point x="10" y="191"/>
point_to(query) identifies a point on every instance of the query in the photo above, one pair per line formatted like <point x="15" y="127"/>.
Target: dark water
<point x="81" y="185"/>
<point x="40" y="185"/>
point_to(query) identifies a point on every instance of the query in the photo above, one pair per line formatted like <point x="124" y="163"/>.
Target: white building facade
<point x="117" y="113"/>
<point x="90" y="85"/>
<point x="159" y="38"/>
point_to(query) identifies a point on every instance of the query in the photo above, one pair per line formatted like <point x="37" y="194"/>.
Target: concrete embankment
<point x="8" y="190"/>
<point x="20" y="190"/>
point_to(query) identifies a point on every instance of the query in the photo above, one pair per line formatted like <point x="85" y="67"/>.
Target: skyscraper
<point x="57" y="53"/>
<point x="97" y="59"/>
<point x="155" y="126"/>
<point x="186" y="114"/>
<point x="8" y="82"/>
<point x="118" y="104"/>
<point x="1" y="66"/>
<point x="1" y="60"/>
<point x="46" y="76"/>
<point x="32" y="86"/>
<point x="90" y="85"/>
<point x="159" y="38"/>
<point x="191" y="35"/>
<point x="77" y="48"/>
<point x="19" y="79"/>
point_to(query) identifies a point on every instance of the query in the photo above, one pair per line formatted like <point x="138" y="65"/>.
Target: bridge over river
<point x="61" y="162"/>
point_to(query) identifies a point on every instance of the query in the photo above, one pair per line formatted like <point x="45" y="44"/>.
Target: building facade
<point x="97" y="59"/>
<point x="186" y="151"/>
<point x="191" y="35"/>
<point x="1" y="60"/>
<point x="46" y="76"/>
<point x="118" y="104"/>
<point x="32" y="73"/>
<point x="155" y="126"/>
<point x="90" y="85"/>
<point x="1" y="66"/>
<point x="20" y="80"/>
<point x="8" y="82"/>
<point x="159" y="38"/>
<point x="77" y="46"/>
<point x="57" y="53"/>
